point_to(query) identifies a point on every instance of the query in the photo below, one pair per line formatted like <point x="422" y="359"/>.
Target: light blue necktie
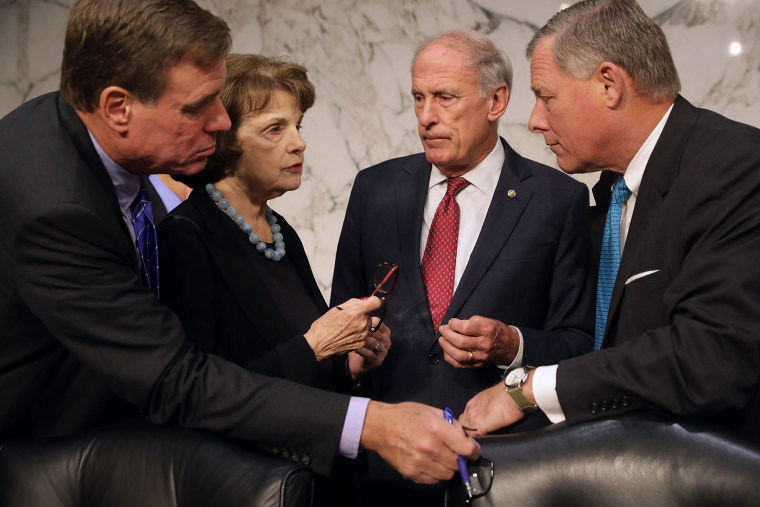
<point x="145" y="233"/>
<point x="609" y="260"/>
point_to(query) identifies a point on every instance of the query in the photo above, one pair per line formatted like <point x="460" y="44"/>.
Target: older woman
<point x="233" y="270"/>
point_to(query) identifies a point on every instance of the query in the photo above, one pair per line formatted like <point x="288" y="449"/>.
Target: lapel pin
<point x="511" y="193"/>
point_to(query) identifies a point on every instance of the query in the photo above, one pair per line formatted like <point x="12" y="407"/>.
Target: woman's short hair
<point x="251" y="82"/>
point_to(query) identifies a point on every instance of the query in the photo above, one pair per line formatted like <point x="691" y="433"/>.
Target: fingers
<point x="416" y="440"/>
<point x="490" y="410"/>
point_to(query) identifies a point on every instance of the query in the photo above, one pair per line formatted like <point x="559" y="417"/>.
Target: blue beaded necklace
<point x="279" y="245"/>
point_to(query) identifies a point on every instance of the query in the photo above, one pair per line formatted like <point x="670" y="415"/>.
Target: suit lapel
<point x="232" y="261"/>
<point x="410" y="206"/>
<point x="661" y="170"/>
<point x="503" y="214"/>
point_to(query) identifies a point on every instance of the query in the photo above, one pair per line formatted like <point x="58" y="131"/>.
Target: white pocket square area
<point x="640" y="275"/>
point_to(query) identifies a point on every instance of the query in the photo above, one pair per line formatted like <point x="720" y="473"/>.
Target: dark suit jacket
<point x="208" y="279"/>
<point x="78" y="327"/>
<point x="530" y="268"/>
<point x="685" y="338"/>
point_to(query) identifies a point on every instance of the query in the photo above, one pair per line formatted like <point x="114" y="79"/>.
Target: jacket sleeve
<point x="74" y="271"/>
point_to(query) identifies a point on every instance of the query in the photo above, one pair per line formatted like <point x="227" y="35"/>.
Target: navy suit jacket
<point x="529" y="268"/>
<point x="683" y="332"/>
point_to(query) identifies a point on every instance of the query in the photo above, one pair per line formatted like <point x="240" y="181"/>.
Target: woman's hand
<point x="372" y="354"/>
<point x="342" y="329"/>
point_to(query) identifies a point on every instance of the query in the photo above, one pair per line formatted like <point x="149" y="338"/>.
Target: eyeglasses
<point x="481" y="480"/>
<point x="481" y="477"/>
<point x="385" y="279"/>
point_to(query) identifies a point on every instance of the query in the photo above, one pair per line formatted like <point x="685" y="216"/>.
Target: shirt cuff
<point x="352" y="427"/>
<point x="545" y="392"/>
<point x="517" y="361"/>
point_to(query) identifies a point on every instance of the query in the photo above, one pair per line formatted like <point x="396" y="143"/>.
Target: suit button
<point x="295" y="457"/>
<point x="594" y="408"/>
<point x="434" y="358"/>
<point x="604" y="406"/>
<point x="626" y="401"/>
<point x="305" y="459"/>
<point x="286" y="454"/>
<point x="615" y="403"/>
<point x="275" y="450"/>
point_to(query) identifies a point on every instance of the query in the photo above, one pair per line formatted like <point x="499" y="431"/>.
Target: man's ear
<point x="116" y="107"/>
<point x="498" y="102"/>
<point x="613" y="83"/>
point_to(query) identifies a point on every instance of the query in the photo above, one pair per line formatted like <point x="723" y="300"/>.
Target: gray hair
<point x="594" y="31"/>
<point x="492" y="67"/>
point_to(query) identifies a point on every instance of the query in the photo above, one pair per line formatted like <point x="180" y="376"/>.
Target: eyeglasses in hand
<point x="385" y="279"/>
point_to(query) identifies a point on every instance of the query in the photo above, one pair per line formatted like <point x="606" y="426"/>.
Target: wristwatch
<point x="513" y="381"/>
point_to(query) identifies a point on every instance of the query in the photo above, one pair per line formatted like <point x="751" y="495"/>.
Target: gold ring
<point x="472" y="357"/>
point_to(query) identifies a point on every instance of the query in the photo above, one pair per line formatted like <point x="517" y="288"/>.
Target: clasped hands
<point x="478" y="341"/>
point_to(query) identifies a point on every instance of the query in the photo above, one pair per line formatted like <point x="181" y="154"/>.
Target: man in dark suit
<point x="681" y="331"/>
<point x="84" y="341"/>
<point x="521" y="290"/>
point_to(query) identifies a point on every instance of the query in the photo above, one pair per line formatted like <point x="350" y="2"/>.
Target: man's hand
<point x="372" y="354"/>
<point x="416" y="440"/>
<point x="478" y="341"/>
<point x="493" y="409"/>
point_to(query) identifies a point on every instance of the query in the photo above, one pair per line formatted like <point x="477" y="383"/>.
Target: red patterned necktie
<point x="440" y="258"/>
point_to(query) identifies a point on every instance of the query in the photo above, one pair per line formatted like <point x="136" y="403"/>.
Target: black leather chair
<point x="640" y="460"/>
<point x="136" y="465"/>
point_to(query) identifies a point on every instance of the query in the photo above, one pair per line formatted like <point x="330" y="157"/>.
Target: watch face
<point x="515" y="377"/>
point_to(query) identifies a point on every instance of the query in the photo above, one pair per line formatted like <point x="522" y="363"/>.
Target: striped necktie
<point x="145" y="233"/>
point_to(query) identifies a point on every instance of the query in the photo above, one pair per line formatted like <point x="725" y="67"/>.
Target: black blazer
<point x="686" y="337"/>
<point x="79" y="330"/>
<point x="530" y="268"/>
<point x="208" y="279"/>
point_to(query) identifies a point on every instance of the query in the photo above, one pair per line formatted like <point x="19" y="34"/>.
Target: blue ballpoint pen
<point x="463" y="472"/>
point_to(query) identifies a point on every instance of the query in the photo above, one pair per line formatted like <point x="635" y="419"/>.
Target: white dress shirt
<point x="474" y="201"/>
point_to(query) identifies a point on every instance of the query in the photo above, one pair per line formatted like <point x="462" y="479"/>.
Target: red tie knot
<point x="455" y="185"/>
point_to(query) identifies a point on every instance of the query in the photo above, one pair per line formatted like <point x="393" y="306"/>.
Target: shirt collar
<point x="483" y="176"/>
<point x="635" y="170"/>
<point x="127" y="184"/>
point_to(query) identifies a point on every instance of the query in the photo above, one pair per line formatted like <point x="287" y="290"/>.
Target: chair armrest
<point x="142" y="464"/>
<point x="642" y="459"/>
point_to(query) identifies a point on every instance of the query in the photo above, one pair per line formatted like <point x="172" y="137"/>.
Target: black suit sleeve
<point x="75" y="273"/>
<point x="685" y="338"/>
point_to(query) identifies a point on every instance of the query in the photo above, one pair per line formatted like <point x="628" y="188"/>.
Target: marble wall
<point x="358" y="54"/>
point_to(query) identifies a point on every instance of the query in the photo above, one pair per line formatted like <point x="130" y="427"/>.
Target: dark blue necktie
<point x="145" y="232"/>
<point x="609" y="260"/>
